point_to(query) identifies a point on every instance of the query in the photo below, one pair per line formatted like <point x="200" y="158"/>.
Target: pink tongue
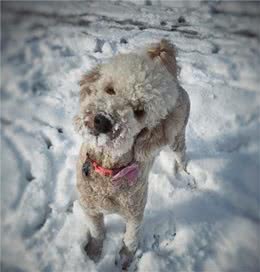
<point x="130" y="172"/>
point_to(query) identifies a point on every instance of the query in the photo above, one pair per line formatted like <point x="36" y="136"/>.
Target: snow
<point x="205" y="221"/>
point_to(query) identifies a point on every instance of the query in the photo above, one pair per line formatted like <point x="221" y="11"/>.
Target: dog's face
<point x="121" y="98"/>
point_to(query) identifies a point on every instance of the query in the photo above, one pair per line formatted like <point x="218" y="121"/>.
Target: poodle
<point x="130" y="108"/>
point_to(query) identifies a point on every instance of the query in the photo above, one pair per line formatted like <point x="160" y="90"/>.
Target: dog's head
<point x="130" y="93"/>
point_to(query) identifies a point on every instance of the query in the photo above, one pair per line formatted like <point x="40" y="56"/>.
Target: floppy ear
<point x="165" y="52"/>
<point x="77" y="123"/>
<point x="86" y="80"/>
<point x="148" y="142"/>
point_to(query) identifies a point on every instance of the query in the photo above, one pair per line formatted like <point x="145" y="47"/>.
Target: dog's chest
<point x="98" y="192"/>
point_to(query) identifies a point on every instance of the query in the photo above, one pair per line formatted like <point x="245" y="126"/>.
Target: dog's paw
<point x="94" y="248"/>
<point x="125" y="258"/>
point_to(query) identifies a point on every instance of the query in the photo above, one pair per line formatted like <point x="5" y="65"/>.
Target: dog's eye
<point x="110" y="90"/>
<point x="140" y="113"/>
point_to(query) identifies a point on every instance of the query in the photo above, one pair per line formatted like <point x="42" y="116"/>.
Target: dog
<point x="130" y="108"/>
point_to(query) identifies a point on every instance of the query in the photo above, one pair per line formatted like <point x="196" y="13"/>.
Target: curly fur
<point x="140" y="94"/>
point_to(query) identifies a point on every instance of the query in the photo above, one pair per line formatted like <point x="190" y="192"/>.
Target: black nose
<point x="102" y="124"/>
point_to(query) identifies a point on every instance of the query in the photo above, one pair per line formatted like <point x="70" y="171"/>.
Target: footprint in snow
<point x="184" y="179"/>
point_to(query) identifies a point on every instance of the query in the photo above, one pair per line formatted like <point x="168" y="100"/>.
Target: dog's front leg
<point x="130" y="241"/>
<point x="96" y="236"/>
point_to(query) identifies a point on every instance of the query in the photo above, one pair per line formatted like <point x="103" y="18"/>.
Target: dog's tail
<point x="166" y="52"/>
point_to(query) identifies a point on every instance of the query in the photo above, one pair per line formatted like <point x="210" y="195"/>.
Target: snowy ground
<point x="45" y="49"/>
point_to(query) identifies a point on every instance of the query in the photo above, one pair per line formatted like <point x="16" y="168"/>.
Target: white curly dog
<point x="130" y="108"/>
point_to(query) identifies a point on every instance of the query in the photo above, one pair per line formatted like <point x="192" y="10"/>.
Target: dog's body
<point x="130" y="109"/>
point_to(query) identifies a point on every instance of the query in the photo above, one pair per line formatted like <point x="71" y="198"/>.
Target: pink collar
<point x="120" y="175"/>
